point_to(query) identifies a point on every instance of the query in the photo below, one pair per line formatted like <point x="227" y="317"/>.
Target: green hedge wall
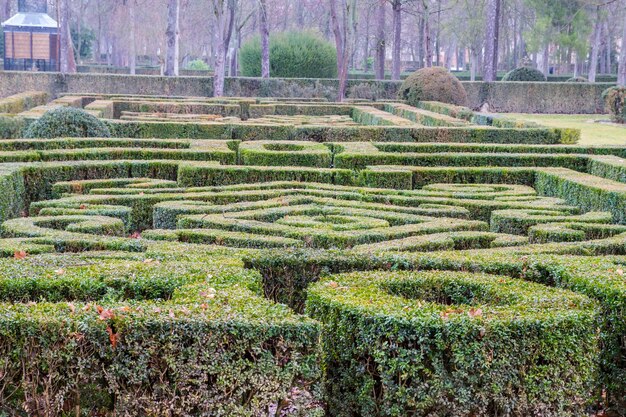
<point x="146" y="334"/>
<point x="285" y="153"/>
<point x="448" y="343"/>
<point x="597" y="277"/>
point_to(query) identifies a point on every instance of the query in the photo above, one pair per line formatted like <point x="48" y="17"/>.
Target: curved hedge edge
<point x="455" y="342"/>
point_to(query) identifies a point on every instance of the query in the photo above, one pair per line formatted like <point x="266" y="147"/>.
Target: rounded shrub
<point x="524" y="74"/>
<point x="453" y="344"/>
<point x="577" y="80"/>
<point x="67" y="122"/>
<point x="292" y="55"/>
<point x="433" y="84"/>
<point x="615" y="100"/>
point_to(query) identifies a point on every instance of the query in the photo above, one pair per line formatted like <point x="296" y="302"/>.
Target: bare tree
<point x="299" y="12"/>
<point x="491" y="40"/>
<point x="5" y="9"/>
<point x="265" y="39"/>
<point x="224" y="11"/>
<point x="380" y="40"/>
<point x="621" y="72"/>
<point x="132" y="47"/>
<point x="428" y="45"/>
<point x="396" y="7"/>
<point x="595" y="46"/>
<point x="173" y="34"/>
<point x="341" y="16"/>
<point x="66" y="51"/>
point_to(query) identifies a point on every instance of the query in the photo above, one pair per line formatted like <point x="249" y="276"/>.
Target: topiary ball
<point x="577" y="80"/>
<point x="615" y="100"/>
<point x="524" y="74"/>
<point x="433" y="84"/>
<point x="67" y="122"/>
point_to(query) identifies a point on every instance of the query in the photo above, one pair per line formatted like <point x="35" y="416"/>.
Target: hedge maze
<point x="248" y="257"/>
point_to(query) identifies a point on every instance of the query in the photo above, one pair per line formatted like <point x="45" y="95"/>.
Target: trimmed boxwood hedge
<point x="449" y="343"/>
<point x="157" y="244"/>
<point x="130" y="337"/>
<point x="599" y="277"/>
<point x="285" y="153"/>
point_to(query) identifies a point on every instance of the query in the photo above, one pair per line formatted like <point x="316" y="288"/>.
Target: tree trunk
<point x="132" y="48"/>
<point x="545" y="60"/>
<point x="5" y="9"/>
<point x="366" y="42"/>
<point x="438" y="36"/>
<point x="621" y="71"/>
<point x="421" y="51"/>
<point x="473" y="65"/>
<point x="607" y="62"/>
<point x="491" y="43"/>
<point x="265" y="39"/>
<point x="595" y="47"/>
<point x="299" y="11"/>
<point x="342" y="26"/>
<point x="224" y="11"/>
<point x="397" y="39"/>
<point x="428" y="49"/>
<point x="380" y="41"/>
<point x="449" y="54"/>
<point x="172" y="34"/>
<point x="68" y="63"/>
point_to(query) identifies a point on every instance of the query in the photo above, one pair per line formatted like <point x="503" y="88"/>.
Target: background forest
<point x="478" y="37"/>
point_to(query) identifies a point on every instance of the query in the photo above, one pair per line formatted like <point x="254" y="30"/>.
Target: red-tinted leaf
<point x="20" y="254"/>
<point x="113" y="337"/>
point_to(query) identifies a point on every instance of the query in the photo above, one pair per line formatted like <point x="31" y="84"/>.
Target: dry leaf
<point x="113" y="337"/>
<point x="106" y="314"/>
<point x="20" y="254"/>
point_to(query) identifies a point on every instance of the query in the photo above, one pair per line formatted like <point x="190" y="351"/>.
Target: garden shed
<point x="31" y="39"/>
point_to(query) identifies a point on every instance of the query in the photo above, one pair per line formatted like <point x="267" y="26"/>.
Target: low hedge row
<point x="200" y="174"/>
<point x="145" y="337"/>
<point x="362" y="160"/>
<point x="422" y="116"/>
<point x="166" y="213"/>
<point x="518" y="222"/>
<point x="588" y="192"/>
<point x="18" y="103"/>
<point x="251" y="131"/>
<point x="22" y="184"/>
<point x="321" y="226"/>
<point x="600" y="278"/>
<point x="446" y="241"/>
<point x="290" y="153"/>
<point x="450" y="343"/>
<point x="370" y="116"/>
<point x="354" y="155"/>
<point x="405" y="147"/>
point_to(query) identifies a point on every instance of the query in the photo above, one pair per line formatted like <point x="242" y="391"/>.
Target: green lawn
<point x="592" y="133"/>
